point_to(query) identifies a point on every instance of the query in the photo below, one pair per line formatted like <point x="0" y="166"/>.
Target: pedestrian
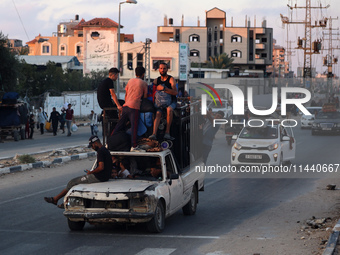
<point x="62" y="119"/>
<point x="135" y="90"/>
<point x="209" y="132"/>
<point x="94" y="123"/>
<point x="101" y="173"/>
<point x="106" y="93"/>
<point x="42" y="118"/>
<point x="69" y="117"/>
<point x="166" y="87"/>
<point x="31" y="126"/>
<point x="54" y="118"/>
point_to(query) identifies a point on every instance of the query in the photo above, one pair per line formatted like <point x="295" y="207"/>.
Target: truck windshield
<point x="259" y="132"/>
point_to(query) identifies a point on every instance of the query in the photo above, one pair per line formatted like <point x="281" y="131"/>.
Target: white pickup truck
<point x="143" y="199"/>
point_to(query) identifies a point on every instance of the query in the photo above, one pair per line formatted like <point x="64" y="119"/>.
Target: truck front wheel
<point x="76" y="225"/>
<point x="157" y="223"/>
<point x="191" y="206"/>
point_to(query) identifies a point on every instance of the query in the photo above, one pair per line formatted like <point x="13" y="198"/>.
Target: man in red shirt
<point x="136" y="89"/>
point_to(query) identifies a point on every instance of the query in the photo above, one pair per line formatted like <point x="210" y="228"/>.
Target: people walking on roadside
<point x="165" y="97"/>
<point x="31" y="126"/>
<point x="62" y="119"/>
<point x="42" y="118"/>
<point x="135" y="90"/>
<point x="94" y="123"/>
<point x="54" y="118"/>
<point x="69" y="117"/>
<point x="101" y="173"/>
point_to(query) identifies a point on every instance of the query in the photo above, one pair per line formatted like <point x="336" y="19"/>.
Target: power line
<point x="21" y="20"/>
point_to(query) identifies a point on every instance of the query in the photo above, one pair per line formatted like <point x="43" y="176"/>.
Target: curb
<point x="332" y="241"/>
<point x="19" y="168"/>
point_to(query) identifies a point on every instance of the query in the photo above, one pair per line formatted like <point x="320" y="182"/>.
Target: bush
<point x="26" y="159"/>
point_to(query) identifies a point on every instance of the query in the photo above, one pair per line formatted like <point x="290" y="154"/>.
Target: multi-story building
<point x="251" y="47"/>
<point x="279" y="67"/>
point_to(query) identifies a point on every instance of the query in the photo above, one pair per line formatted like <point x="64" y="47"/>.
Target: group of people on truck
<point x="136" y="90"/>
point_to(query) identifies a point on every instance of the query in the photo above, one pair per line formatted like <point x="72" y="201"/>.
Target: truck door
<point x="175" y="186"/>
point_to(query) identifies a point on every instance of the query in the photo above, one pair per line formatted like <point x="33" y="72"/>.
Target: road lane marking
<point x="106" y="234"/>
<point x="31" y="195"/>
<point x="156" y="251"/>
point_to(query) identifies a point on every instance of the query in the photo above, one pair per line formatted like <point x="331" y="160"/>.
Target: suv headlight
<point x="237" y="146"/>
<point x="75" y="201"/>
<point x="273" y="146"/>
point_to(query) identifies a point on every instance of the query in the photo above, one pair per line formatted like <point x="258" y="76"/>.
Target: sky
<point x="24" y="20"/>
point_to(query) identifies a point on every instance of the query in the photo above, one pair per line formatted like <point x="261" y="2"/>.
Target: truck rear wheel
<point x="157" y="223"/>
<point x="75" y="225"/>
<point x="191" y="207"/>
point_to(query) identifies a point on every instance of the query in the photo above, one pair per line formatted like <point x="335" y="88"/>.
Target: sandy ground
<point x="284" y="230"/>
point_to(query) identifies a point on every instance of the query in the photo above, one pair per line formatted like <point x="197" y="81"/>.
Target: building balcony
<point x="166" y="30"/>
<point x="259" y="61"/>
<point x="260" y="46"/>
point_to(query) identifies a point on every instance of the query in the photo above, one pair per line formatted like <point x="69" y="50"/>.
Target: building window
<point x="236" y="38"/>
<point x="221" y="49"/>
<point x="194" y="38"/>
<point x="95" y="35"/>
<point x="155" y="63"/>
<point x="236" y="54"/>
<point x="264" y="40"/>
<point x="140" y="59"/>
<point x="209" y="37"/>
<point x="215" y="51"/>
<point x="129" y="61"/>
<point x="215" y="35"/>
<point x="62" y="50"/>
<point x="263" y="55"/>
<point x="46" y="48"/>
<point x="194" y="53"/>
<point x="79" y="49"/>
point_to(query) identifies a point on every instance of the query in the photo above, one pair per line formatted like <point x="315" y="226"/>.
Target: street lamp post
<point x="118" y="39"/>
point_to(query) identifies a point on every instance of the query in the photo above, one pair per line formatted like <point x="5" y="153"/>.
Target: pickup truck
<point x="142" y="199"/>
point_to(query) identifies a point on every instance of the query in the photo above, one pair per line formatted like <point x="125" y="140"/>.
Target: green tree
<point x="222" y="61"/>
<point x="8" y="66"/>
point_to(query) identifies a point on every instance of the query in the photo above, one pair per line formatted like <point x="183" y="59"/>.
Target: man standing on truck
<point x="101" y="173"/>
<point x="165" y="85"/>
<point x="136" y="89"/>
<point x="209" y="132"/>
<point x="106" y="93"/>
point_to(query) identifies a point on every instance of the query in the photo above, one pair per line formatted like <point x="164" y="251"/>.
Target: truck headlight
<point x="273" y="146"/>
<point x="237" y="146"/>
<point x="75" y="201"/>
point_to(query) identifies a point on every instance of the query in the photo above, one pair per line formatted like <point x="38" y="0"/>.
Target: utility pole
<point x="309" y="48"/>
<point x="329" y="59"/>
<point x="289" y="53"/>
<point x="147" y="59"/>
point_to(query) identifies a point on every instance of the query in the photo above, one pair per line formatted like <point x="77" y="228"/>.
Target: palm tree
<point x="222" y="61"/>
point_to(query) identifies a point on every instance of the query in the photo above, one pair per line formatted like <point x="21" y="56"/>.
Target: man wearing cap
<point x="101" y="173"/>
<point x="209" y="132"/>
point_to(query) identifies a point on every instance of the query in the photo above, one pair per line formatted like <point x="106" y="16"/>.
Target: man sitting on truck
<point x="101" y="173"/>
<point x="165" y="86"/>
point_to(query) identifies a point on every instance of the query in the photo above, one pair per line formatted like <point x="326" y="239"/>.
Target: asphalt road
<point x="45" y="142"/>
<point x="30" y="226"/>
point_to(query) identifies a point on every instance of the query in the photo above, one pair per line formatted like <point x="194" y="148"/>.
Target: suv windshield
<point x="328" y="115"/>
<point x="268" y="132"/>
